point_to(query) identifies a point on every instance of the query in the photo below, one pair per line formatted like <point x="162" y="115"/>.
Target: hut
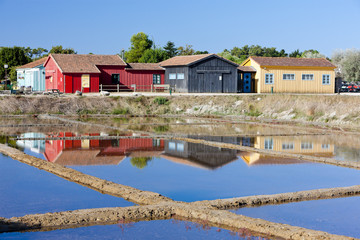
<point x="201" y="73"/>
<point x="32" y="75"/>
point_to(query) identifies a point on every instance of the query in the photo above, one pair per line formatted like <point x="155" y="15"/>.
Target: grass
<point x="161" y="101"/>
<point x="120" y="111"/>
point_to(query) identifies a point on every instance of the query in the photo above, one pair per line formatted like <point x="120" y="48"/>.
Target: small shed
<point x="32" y="75"/>
<point x="201" y="73"/>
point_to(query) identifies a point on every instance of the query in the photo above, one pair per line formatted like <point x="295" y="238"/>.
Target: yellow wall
<point x="292" y="86"/>
<point x="318" y="148"/>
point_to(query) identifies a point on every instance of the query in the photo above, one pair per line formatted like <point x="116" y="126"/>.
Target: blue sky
<point x="106" y="26"/>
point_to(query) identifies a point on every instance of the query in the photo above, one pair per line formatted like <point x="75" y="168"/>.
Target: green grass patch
<point x="120" y="111"/>
<point x="161" y="101"/>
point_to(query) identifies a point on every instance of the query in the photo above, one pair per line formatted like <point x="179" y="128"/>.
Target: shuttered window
<point x="326" y="79"/>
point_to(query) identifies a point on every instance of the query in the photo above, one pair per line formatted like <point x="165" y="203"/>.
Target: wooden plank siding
<point x="299" y="146"/>
<point x="204" y="76"/>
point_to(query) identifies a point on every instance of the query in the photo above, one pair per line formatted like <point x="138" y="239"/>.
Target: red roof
<point x="85" y="63"/>
<point x="144" y="66"/>
<point x="292" y="62"/>
<point x="33" y="64"/>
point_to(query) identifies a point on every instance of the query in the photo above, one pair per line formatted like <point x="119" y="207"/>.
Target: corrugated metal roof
<point x="78" y="63"/>
<point x="293" y="62"/>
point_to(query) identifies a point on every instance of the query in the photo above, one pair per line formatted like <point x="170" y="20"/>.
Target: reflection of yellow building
<point x="305" y="146"/>
<point x="295" y="145"/>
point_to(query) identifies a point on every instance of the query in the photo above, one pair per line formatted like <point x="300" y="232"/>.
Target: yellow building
<point x="288" y="75"/>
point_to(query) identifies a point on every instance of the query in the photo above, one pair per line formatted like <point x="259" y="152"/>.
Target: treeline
<point x="144" y="50"/>
<point x="18" y="56"/>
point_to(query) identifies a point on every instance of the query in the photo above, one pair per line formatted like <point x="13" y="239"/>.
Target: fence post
<point x="152" y="85"/>
<point x="100" y="87"/>
<point x="135" y="88"/>
<point x="118" y="87"/>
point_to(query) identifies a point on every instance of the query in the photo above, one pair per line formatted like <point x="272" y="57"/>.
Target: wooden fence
<point x="137" y="88"/>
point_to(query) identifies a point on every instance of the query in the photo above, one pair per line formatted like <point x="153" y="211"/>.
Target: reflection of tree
<point x="6" y="140"/>
<point x="140" y="162"/>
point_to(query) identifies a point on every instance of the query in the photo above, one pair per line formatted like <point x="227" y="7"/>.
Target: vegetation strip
<point x="85" y="137"/>
<point x="98" y="184"/>
<point x="348" y="164"/>
<point x="281" y="198"/>
<point x="33" y="125"/>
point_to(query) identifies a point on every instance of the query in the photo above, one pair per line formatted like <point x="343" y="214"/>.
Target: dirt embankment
<point x="326" y="109"/>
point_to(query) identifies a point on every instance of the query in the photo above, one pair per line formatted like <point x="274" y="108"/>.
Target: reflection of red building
<point x="97" y="152"/>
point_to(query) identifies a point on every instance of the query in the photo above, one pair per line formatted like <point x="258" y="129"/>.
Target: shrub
<point x="161" y="101"/>
<point x="120" y="111"/>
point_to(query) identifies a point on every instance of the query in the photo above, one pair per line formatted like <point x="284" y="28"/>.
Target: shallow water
<point x="338" y="216"/>
<point x="156" y="229"/>
<point x="28" y="190"/>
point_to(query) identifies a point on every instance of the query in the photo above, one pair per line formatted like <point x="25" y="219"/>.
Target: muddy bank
<point x="324" y="109"/>
<point x="209" y="217"/>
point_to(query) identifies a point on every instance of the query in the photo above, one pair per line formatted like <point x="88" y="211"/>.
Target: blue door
<point x="247" y="83"/>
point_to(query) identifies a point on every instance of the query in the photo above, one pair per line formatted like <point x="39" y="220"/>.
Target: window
<point x="172" y="75"/>
<point x="172" y="146"/>
<point x="180" y="147"/>
<point x="287" y="146"/>
<point x="287" y="76"/>
<point x="268" y="144"/>
<point x="180" y="76"/>
<point x="115" y="78"/>
<point x="326" y="79"/>
<point x="156" y="142"/>
<point x="307" y="77"/>
<point x="156" y="79"/>
<point x="306" y="145"/>
<point x="269" y="78"/>
<point x="325" y="146"/>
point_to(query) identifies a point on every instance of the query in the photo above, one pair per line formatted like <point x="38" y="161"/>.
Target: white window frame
<point x="180" y="76"/>
<point x="326" y="79"/>
<point x="325" y="146"/>
<point x="287" y="146"/>
<point x="306" y="145"/>
<point x="270" y="78"/>
<point x="307" y="77"/>
<point x="291" y="75"/>
<point x="269" y="143"/>
<point x="172" y="76"/>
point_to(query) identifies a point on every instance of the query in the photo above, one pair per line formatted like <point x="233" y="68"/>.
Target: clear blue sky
<point x="106" y="26"/>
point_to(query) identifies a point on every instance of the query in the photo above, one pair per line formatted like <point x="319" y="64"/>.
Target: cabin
<point x="91" y="73"/>
<point x="32" y="75"/>
<point x="287" y="75"/>
<point x="204" y="73"/>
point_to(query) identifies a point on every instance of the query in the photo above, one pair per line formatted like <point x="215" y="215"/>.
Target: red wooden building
<point x="75" y="72"/>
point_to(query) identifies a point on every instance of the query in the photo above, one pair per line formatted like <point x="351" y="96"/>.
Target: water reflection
<point x="142" y="151"/>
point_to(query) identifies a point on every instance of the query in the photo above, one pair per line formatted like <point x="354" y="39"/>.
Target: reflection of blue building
<point x="36" y="146"/>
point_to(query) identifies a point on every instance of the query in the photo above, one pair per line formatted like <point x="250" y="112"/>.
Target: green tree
<point x="187" y="50"/>
<point x="153" y="55"/>
<point x="170" y="49"/>
<point x="13" y="57"/>
<point x="312" y="54"/>
<point x="348" y="62"/>
<point x="60" y="49"/>
<point x="38" y="52"/>
<point x="140" y="162"/>
<point x="201" y="52"/>
<point x="229" y="56"/>
<point x="296" y="54"/>
<point x="140" y="42"/>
